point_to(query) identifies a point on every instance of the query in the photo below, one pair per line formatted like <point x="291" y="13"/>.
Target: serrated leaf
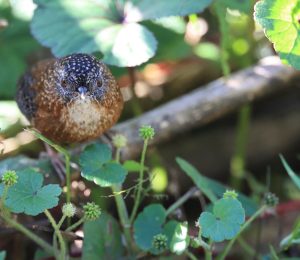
<point x="96" y="245"/>
<point x="139" y="10"/>
<point x="148" y="224"/>
<point x="96" y="165"/>
<point x="178" y="238"/>
<point x="280" y="21"/>
<point x="29" y="196"/>
<point x="225" y="221"/>
<point x="213" y="189"/>
<point x="291" y="173"/>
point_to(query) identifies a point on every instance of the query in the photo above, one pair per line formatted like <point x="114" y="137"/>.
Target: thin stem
<point x="118" y="154"/>
<point x="190" y="255"/>
<point x="208" y="254"/>
<point x="61" y="221"/>
<point x="135" y="104"/>
<point x="123" y="215"/>
<point x="246" y="224"/>
<point x="75" y="225"/>
<point x="48" y="248"/>
<point x="68" y="177"/>
<point x="182" y="200"/>
<point x="140" y="182"/>
<point x="239" y="157"/>
<point x="61" y="241"/>
<point x="248" y="249"/>
<point x="3" y="197"/>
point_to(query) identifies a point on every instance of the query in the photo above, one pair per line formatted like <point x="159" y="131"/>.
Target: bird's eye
<point x="99" y="83"/>
<point x="64" y="83"/>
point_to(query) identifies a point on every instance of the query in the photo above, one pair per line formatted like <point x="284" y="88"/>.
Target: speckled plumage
<point x="71" y="99"/>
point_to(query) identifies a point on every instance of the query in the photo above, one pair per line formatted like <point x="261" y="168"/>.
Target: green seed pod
<point x="146" y="132"/>
<point x="10" y="178"/>
<point x="270" y="199"/>
<point x="69" y="210"/>
<point x="92" y="211"/>
<point x="159" y="242"/>
<point x="119" y="141"/>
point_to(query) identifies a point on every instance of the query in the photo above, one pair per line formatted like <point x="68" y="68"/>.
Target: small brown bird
<point x="70" y="99"/>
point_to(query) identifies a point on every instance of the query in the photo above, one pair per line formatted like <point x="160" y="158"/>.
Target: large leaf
<point x="291" y="173"/>
<point x="29" y="196"/>
<point x="213" y="189"/>
<point x="280" y="20"/>
<point x="148" y="224"/>
<point x="16" y="44"/>
<point x="225" y="221"/>
<point x="105" y="25"/>
<point x="139" y="10"/>
<point x="102" y="239"/>
<point x="96" y="165"/>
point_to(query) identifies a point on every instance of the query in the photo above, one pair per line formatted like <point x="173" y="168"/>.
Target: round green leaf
<point x="96" y="165"/>
<point x="280" y="20"/>
<point x="28" y="196"/>
<point x="148" y="224"/>
<point x="225" y="221"/>
<point x="98" y="246"/>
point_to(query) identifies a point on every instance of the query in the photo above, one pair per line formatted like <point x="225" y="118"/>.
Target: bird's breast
<point x="84" y="117"/>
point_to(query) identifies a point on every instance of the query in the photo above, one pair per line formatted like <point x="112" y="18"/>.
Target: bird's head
<point x="81" y="76"/>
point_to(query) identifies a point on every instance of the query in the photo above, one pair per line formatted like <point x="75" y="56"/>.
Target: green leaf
<point x="291" y="173"/>
<point x="178" y="238"/>
<point x="213" y="189"/>
<point x="29" y="196"/>
<point x="96" y="165"/>
<point x="102" y="239"/>
<point x="225" y="221"/>
<point x="83" y="26"/>
<point x="16" y="46"/>
<point x="2" y="255"/>
<point x="139" y="10"/>
<point x="241" y="5"/>
<point x="148" y="224"/>
<point x="280" y="21"/>
<point x="132" y="166"/>
<point x="112" y="29"/>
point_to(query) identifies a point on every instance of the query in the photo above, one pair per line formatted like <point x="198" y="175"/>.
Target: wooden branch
<point x="208" y="103"/>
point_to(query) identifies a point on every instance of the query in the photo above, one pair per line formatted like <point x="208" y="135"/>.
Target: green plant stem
<point x="61" y="241"/>
<point x="208" y="254"/>
<point x="246" y="224"/>
<point x="14" y="224"/>
<point x="61" y="221"/>
<point x="135" y="104"/>
<point x="3" y="197"/>
<point x="182" y="200"/>
<point x="248" y="249"/>
<point x="122" y="209"/>
<point x="123" y="215"/>
<point x="239" y="157"/>
<point x="190" y="255"/>
<point x="140" y="182"/>
<point x="76" y="224"/>
<point x="224" y="29"/>
<point x="68" y="177"/>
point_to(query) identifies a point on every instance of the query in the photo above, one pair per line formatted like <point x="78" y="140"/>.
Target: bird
<point x="71" y="99"/>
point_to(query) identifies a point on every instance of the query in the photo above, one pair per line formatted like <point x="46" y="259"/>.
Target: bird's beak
<point x="82" y="90"/>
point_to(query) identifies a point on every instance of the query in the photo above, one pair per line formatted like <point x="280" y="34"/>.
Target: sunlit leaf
<point x="291" y="173"/>
<point x="280" y="21"/>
